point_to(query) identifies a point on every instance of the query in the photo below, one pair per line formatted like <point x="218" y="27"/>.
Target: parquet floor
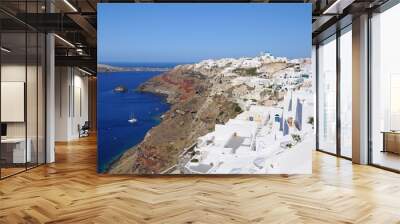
<point x="70" y="191"/>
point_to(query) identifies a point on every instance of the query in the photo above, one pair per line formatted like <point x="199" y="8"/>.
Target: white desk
<point x="19" y="155"/>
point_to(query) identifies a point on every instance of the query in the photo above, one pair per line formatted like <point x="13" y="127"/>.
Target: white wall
<point x="13" y="101"/>
<point x="80" y="110"/>
<point x="62" y="82"/>
<point x="71" y="102"/>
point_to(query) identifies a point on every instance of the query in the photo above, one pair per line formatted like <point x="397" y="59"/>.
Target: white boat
<point x="132" y="119"/>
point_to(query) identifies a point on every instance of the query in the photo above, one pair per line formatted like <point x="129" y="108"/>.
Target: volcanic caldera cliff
<point x="193" y="113"/>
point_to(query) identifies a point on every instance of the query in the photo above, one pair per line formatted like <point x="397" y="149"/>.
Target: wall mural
<point x="205" y="89"/>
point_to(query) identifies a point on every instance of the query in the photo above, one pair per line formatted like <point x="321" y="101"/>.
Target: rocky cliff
<point x="194" y="112"/>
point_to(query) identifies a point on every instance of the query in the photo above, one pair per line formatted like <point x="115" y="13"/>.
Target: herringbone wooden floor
<point x="70" y="191"/>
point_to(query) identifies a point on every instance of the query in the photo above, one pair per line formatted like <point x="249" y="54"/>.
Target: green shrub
<point x="296" y="137"/>
<point x="246" y="71"/>
<point x="311" y="120"/>
<point x="238" y="109"/>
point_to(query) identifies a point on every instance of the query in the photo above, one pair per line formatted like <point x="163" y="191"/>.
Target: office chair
<point x="84" y="130"/>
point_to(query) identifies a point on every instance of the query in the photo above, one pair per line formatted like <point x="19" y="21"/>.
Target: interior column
<point x="360" y="90"/>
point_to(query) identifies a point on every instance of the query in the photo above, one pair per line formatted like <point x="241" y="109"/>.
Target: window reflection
<point x="346" y="92"/>
<point x="385" y="89"/>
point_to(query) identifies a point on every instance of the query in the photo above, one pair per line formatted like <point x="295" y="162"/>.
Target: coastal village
<point x="274" y="133"/>
<point x="249" y="115"/>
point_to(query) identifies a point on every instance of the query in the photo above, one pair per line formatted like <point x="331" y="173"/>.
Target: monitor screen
<point x="3" y="129"/>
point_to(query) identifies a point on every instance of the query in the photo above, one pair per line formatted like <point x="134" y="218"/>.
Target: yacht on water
<point x="132" y="119"/>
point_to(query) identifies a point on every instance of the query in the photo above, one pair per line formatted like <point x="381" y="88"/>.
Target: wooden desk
<point x="13" y="150"/>
<point x="391" y="141"/>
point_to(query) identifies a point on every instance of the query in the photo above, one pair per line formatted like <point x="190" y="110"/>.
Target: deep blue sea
<point x="149" y="65"/>
<point x="115" y="133"/>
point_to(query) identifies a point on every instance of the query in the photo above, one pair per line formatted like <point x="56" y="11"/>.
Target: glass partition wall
<point x="13" y="90"/>
<point x="345" y="91"/>
<point x="334" y="59"/>
<point x="22" y="88"/>
<point x="327" y="95"/>
<point x="385" y="89"/>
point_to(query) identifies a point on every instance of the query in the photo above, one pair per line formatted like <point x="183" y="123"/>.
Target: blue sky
<point x="194" y="32"/>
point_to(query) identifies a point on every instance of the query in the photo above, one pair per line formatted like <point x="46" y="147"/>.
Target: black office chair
<point x="84" y="130"/>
